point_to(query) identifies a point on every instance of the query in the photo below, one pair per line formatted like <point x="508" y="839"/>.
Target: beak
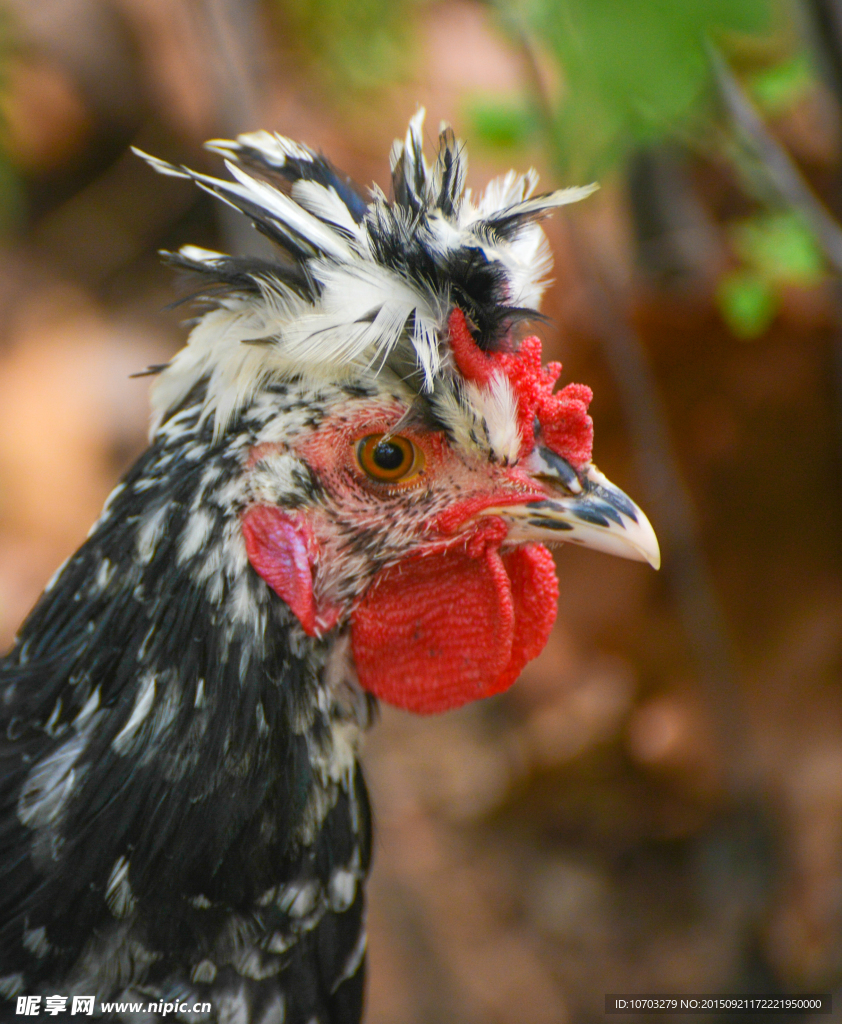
<point x="584" y="508"/>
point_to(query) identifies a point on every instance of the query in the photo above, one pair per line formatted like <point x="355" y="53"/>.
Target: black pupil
<point x="388" y="456"/>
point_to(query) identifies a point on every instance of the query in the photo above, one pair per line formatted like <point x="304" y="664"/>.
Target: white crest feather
<point x="275" y="149"/>
<point x="496" y="407"/>
<point x="323" y="202"/>
<point x="287" y="211"/>
<point x="350" y="296"/>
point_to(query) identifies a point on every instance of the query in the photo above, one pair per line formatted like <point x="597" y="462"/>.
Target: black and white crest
<point x="361" y="285"/>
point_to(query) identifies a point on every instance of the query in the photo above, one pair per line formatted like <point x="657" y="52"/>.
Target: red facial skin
<point x="440" y="612"/>
<point x="450" y="617"/>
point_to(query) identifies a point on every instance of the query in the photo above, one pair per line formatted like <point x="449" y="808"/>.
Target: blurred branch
<point x="663" y="484"/>
<point x="666" y="493"/>
<point x="230" y="31"/>
<point x="824" y="31"/>
<point x="823" y="23"/>
<point x="233" y="32"/>
<point x="677" y="243"/>
<point x="779" y="167"/>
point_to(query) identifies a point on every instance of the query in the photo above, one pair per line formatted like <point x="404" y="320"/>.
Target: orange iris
<point x="389" y="458"/>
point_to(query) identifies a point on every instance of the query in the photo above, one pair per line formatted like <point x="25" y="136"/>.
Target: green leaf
<point x="779" y="247"/>
<point x="747" y="302"/>
<point x="355" y="44"/>
<point x="777" y="88"/>
<point x="634" y="71"/>
<point x="500" y="124"/>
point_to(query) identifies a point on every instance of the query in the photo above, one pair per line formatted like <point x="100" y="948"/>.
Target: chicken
<point x="352" y="474"/>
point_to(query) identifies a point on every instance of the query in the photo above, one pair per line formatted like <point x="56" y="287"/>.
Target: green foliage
<point x="501" y="124"/>
<point x="355" y="44"/>
<point x="747" y="302"/>
<point x="780" y="247"/>
<point x="775" y="249"/>
<point x="777" y="88"/>
<point x="634" y="71"/>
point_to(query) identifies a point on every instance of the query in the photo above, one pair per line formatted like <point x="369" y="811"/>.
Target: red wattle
<point x="435" y="632"/>
<point x="531" y="570"/>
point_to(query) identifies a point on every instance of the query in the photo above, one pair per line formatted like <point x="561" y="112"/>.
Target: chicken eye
<point x="389" y="459"/>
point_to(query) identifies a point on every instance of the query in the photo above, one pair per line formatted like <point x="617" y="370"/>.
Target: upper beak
<point x="585" y="508"/>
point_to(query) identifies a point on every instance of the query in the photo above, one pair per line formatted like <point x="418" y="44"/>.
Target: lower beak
<point x="585" y="508"/>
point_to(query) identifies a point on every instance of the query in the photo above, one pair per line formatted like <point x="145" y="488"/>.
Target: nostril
<point x="559" y="469"/>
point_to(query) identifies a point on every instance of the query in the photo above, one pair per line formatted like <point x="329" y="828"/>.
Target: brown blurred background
<point x="657" y="805"/>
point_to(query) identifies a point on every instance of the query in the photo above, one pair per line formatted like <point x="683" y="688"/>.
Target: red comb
<point x="565" y="425"/>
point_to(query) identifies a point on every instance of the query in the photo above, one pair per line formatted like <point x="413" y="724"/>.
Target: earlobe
<point x="278" y="546"/>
